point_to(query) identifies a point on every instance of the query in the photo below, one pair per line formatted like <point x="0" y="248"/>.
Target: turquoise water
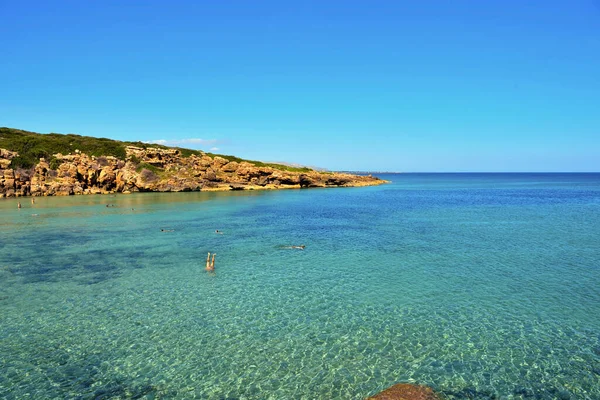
<point x="482" y="286"/>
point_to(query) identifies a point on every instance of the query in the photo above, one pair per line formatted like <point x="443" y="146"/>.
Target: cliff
<point x="154" y="169"/>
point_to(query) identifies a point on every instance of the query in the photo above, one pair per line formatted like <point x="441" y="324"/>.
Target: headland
<point x="33" y="164"/>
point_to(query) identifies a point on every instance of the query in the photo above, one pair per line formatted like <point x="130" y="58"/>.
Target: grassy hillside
<point x="32" y="146"/>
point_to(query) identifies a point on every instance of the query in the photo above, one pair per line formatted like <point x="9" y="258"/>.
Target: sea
<point x="480" y="286"/>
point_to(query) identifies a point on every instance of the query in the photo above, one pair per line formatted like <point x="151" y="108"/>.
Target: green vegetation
<point x="54" y="163"/>
<point x="33" y="146"/>
<point x="188" y="152"/>
<point x="230" y="158"/>
<point x="149" y="167"/>
<point x="281" y="167"/>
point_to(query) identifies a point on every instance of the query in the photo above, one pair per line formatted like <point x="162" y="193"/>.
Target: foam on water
<point x="481" y="286"/>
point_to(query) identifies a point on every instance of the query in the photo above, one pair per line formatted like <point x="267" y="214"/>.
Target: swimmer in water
<point x="210" y="267"/>
<point x="166" y="230"/>
<point x="218" y="232"/>
<point x="19" y="204"/>
<point x="301" y="247"/>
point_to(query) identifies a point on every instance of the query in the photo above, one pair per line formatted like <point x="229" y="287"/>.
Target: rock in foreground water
<point x="406" y="391"/>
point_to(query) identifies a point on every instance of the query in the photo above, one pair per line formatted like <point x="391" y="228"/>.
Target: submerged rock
<point x="406" y="391"/>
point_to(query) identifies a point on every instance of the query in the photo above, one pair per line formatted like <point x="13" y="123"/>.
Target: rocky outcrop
<point x="406" y="391"/>
<point x="155" y="170"/>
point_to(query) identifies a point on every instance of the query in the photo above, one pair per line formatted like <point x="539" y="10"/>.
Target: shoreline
<point x="212" y="189"/>
<point x="157" y="170"/>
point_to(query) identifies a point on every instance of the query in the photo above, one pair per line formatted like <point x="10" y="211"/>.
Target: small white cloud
<point x="214" y="148"/>
<point x="156" y="141"/>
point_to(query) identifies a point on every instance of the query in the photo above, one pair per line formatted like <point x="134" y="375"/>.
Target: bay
<point x="481" y="286"/>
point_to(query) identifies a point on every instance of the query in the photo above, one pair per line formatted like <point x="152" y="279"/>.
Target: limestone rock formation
<point x="155" y="170"/>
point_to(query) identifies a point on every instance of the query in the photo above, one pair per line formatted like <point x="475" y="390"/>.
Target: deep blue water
<point x="482" y="286"/>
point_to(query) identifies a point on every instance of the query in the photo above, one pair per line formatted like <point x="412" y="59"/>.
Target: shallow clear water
<point x="482" y="286"/>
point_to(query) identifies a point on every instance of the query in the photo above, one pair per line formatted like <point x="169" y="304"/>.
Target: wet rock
<point x="406" y="391"/>
<point x="237" y="187"/>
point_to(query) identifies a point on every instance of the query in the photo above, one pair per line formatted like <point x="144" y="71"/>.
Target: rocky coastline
<point x="155" y="170"/>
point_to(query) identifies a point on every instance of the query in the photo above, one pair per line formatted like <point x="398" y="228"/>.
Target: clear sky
<point x="428" y="85"/>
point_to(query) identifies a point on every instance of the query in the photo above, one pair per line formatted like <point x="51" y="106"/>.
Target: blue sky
<point x="447" y="86"/>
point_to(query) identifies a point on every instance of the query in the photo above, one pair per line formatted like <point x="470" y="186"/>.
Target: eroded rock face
<point x="5" y="158"/>
<point x="230" y="167"/>
<point x="406" y="391"/>
<point x="155" y="170"/>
